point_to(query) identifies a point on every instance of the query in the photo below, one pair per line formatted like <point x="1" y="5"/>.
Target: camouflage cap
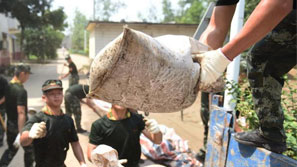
<point x="23" y="68"/>
<point x="52" y="84"/>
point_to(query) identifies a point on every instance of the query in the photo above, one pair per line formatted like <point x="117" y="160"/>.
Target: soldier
<point x="272" y="25"/>
<point x="73" y="78"/>
<point x="120" y="129"/>
<point x="73" y="96"/>
<point x="16" y="110"/>
<point x="51" y="131"/>
<point x="3" y="88"/>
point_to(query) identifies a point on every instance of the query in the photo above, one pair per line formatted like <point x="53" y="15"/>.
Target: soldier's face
<point x="53" y="98"/>
<point x="24" y="76"/>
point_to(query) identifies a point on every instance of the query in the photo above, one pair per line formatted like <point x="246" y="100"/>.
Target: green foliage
<point x="167" y="11"/>
<point x="249" y="7"/>
<point x="77" y="31"/>
<point x="42" y="42"/>
<point x="106" y="8"/>
<point x="243" y="96"/>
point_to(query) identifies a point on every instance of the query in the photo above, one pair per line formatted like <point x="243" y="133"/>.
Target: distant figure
<point x="73" y="78"/>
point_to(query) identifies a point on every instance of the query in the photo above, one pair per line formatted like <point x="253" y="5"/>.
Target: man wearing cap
<point x="73" y="96"/>
<point x="3" y="88"/>
<point x="16" y="110"/>
<point x="51" y="131"/>
<point x="73" y="78"/>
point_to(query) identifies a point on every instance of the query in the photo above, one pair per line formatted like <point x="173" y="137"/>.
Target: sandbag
<point x="148" y="74"/>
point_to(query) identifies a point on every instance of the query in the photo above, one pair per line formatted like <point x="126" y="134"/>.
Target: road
<point x="190" y="128"/>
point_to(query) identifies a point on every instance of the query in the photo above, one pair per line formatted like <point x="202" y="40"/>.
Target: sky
<point x="130" y="13"/>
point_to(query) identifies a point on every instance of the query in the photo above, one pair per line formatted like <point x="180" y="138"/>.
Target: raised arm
<point x="264" y="18"/>
<point x="218" y="27"/>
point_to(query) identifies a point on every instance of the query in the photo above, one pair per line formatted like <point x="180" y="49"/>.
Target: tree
<point x="40" y="26"/>
<point x="77" y="31"/>
<point x="168" y="12"/>
<point x="104" y="9"/>
<point x="42" y="42"/>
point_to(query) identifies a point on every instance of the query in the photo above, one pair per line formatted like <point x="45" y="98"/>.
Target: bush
<point x="243" y="96"/>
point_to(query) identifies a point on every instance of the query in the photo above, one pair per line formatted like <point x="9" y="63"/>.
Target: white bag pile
<point x="148" y="74"/>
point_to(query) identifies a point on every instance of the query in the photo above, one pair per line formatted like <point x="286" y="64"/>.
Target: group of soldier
<point x="45" y="136"/>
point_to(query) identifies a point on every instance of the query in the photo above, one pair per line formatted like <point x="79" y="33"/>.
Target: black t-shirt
<point x="73" y="68"/>
<point x="16" y="96"/>
<point x="122" y="135"/>
<point x="226" y="2"/>
<point x="232" y="2"/>
<point x="3" y="86"/>
<point x="52" y="149"/>
<point x="79" y="90"/>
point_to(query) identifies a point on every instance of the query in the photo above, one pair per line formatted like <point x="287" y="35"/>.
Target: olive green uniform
<point x="122" y="135"/>
<point x="16" y="96"/>
<point x="3" y="88"/>
<point x="51" y="150"/>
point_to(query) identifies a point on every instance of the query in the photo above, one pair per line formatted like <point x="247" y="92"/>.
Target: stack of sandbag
<point x="148" y="74"/>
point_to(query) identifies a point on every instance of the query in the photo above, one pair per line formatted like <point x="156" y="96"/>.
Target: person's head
<point x="68" y="59"/>
<point x="118" y="107"/>
<point x="52" y="93"/>
<point x="22" y="72"/>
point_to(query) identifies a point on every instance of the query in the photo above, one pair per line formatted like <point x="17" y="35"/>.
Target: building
<point x="102" y="32"/>
<point x="9" y="48"/>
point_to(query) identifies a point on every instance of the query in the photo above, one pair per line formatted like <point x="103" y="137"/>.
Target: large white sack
<point x="148" y="74"/>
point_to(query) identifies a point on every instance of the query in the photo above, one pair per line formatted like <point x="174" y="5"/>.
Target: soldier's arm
<point x="264" y="18"/>
<point x="25" y="139"/>
<point x="91" y="147"/>
<point x="78" y="152"/>
<point x="2" y="100"/>
<point x="218" y="27"/>
<point x="21" y="117"/>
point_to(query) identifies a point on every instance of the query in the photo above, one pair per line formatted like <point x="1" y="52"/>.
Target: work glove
<point x="104" y="155"/>
<point x="17" y="141"/>
<point x="38" y="130"/>
<point x="152" y="126"/>
<point x="213" y="64"/>
<point x="83" y="165"/>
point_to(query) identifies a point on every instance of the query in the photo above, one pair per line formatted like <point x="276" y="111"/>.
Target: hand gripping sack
<point x="148" y="74"/>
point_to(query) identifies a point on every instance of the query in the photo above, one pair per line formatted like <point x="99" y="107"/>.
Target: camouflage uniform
<point x="268" y="61"/>
<point x="73" y="79"/>
<point x="72" y="106"/>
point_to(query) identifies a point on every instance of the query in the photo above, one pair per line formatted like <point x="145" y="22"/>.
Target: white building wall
<point x="105" y="33"/>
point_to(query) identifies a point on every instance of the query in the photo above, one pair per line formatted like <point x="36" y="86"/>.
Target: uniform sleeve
<point x="73" y="134"/>
<point x="226" y="2"/>
<point x="3" y="86"/>
<point x="96" y="134"/>
<point x="22" y="98"/>
<point x="141" y="123"/>
<point x="30" y="122"/>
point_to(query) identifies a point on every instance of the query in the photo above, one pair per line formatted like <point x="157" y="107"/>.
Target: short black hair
<point x="21" y="68"/>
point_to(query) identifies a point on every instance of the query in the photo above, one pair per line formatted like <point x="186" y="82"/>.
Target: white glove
<point x="213" y="64"/>
<point x="83" y="165"/>
<point x="152" y="126"/>
<point x="38" y="130"/>
<point x="17" y="141"/>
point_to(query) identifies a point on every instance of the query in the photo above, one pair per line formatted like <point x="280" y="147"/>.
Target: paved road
<point x="189" y="129"/>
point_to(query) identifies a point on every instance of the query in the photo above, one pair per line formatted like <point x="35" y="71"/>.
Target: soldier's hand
<point x="122" y="161"/>
<point x="38" y="130"/>
<point x="213" y="64"/>
<point x="17" y="141"/>
<point x="152" y="126"/>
